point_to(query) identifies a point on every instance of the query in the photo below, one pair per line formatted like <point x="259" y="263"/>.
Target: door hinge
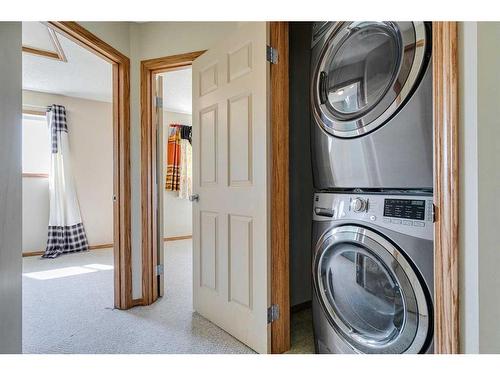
<point x="159" y="269"/>
<point x="273" y="313"/>
<point x="271" y="55"/>
<point x="159" y="101"/>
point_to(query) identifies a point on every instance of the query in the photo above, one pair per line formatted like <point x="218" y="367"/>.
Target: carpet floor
<point x="68" y="308"/>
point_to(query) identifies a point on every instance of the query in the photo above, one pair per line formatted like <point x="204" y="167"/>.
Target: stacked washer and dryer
<point x="372" y="154"/>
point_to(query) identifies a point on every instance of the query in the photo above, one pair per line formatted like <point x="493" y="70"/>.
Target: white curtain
<point x="185" y="188"/>
<point x="66" y="233"/>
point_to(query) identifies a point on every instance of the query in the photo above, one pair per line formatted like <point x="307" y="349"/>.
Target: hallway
<point x="68" y="308"/>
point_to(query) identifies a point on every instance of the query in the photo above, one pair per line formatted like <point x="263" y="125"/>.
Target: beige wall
<point x="116" y="34"/>
<point x="10" y="188"/>
<point x="488" y="138"/>
<point x="91" y="140"/>
<point x="468" y="261"/>
<point x="177" y="213"/>
<point x="149" y="40"/>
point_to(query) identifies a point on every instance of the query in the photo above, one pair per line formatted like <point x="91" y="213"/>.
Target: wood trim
<point x="35" y="175"/>
<point x="138" y="302"/>
<point x="177" y="238"/>
<point x="280" y="294"/>
<point x="148" y="171"/>
<point x="121" y="153"/>
<point x="94" y="247"/>
<point x="149" y="68"/>
<point x="168" y="63"/>
<point x="101" y="246"/>
<point x="41" y="53"/>
<point x="86" y="39"/>
<point x="57" y="45"/>
<point x="446" y="185"/>
<point x="57" y="55"/>
<point x="34" y="112"/>
<point x="33" y="253"/>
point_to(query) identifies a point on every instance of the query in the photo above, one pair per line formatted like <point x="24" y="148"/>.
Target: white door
<point x="231" y="166"/>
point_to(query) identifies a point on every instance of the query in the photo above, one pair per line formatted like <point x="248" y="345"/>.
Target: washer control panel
<point x="412" y="215"/>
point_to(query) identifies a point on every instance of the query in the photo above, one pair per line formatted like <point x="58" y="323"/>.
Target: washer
<point x="371" y="105"/>
<point x="372" y="273"/>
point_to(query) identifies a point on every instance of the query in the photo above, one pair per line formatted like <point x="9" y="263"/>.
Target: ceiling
<point x="84" y="75"/>
<point x="177" y="90"/>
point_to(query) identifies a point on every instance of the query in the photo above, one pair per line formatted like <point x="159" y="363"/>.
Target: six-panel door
<point x="230" y="174"/>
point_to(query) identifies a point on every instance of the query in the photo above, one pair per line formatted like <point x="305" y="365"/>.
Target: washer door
<point x="364" y="73"/>
<point x="370" y="293"/>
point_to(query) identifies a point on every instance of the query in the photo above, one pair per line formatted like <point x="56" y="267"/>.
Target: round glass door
<point x="365" y="288"/>
<point x="365" y="71"/>
<point x="362" y="70"/>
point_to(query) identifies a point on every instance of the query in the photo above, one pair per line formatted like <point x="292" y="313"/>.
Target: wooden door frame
<point x="446" y="185"/>
<point x="280" y="218"/>
<point x="121" y="154"/>
<point x="149" y="68"/>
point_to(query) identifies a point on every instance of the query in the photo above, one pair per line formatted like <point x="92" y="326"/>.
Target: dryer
<point x="371" y="104"/>
<point x="372" y="273"/>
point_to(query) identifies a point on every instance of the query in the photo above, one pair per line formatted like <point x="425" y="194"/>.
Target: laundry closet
<point x="361" y="187"/>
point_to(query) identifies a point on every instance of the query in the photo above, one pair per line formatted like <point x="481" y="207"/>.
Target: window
<point x="35" y="144"/>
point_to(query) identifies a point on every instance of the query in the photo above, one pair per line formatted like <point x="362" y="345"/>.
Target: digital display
<point x="405" y="208"/>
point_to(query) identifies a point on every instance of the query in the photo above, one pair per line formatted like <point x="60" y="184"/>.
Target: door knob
<point x="194" y="197"/>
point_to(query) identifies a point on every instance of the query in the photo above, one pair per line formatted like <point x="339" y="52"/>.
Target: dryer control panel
<point x="409" y="214"/>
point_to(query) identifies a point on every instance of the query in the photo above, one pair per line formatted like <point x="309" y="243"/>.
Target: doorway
<point x="174" y="178"/>
<point x="153" y="180"/>
<point x="121" y="154"/>
<point x="121" y="290"/>
<point x="68" y="174"/>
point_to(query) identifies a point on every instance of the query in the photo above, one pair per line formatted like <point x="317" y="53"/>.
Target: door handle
<point x="194" y="197"/>
<point x="320" y="211"/>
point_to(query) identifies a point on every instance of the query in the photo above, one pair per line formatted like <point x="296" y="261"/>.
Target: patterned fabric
<point x="66" y="239"/>
<point x="57" y="114"/>
<point x="173" y="159"/>
<point x="66" y="233"/>
<point x="186" y="132"/>
<point x="185" y="171"/>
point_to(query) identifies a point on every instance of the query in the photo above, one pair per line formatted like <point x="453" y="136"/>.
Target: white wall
<point x="10" y="188"/>
<point x="90" y="136"/>
<point x="177" y="213"/>
<point x="145" y="41"/>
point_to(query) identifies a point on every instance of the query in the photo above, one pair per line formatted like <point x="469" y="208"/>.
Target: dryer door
<point x="370" y="293"/>
<point x="364" y="73"/>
